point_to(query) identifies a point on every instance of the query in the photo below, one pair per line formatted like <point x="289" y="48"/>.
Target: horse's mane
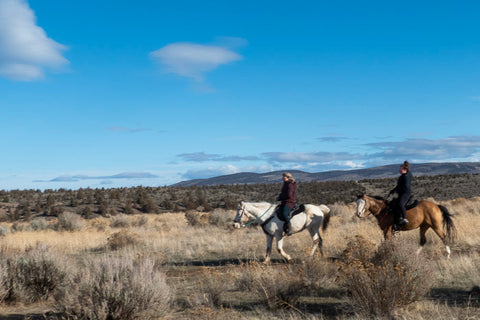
<point x="259" y="203"/>
<point x="379" y="198"/>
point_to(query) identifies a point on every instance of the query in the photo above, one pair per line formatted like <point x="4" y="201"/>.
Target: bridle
<point x="367" y="208"/>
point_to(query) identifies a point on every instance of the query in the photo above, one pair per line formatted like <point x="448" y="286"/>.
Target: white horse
<point x="264" y="214"/>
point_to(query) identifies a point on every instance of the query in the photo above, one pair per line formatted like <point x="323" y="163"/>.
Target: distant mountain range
<point x="388" y="171"/>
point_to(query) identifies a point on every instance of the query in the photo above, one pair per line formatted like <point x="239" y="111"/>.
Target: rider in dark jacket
<point x="403" y="190"/>
<point x="287" y="198"/>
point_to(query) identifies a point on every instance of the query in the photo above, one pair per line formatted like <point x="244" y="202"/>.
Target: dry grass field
<point x="195" y="266"/>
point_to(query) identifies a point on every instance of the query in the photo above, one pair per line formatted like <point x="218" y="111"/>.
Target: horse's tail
<point x="326" y="219"/>
<point x="448" y="226"/>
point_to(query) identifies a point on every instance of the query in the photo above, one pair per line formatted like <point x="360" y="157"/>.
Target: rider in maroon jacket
<point x="287" y="198"/>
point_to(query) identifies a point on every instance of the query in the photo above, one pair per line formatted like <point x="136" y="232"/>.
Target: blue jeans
<point x="286" y="214"/>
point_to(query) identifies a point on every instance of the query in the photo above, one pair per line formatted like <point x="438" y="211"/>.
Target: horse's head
<point x="240" y="216"/>
<point x="362" y="206"/>
<point x="370" y="205"/>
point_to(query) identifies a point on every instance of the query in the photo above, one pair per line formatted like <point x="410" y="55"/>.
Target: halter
<point x="258" y="218"/>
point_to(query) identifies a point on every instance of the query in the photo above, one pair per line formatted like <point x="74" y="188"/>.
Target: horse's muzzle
<point x="236" y="225"/>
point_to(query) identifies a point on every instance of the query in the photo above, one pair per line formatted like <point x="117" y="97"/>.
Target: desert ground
<point x="194" y="265"/>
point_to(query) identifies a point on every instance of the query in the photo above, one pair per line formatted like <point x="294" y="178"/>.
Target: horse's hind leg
<point x="280" y="249"/>
<point x="423" y="237"/>
<point x="439" y="231"/>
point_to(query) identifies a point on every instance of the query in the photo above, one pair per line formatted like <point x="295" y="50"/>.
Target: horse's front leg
<point x="387" y="232"/>
<point x="269" y="248"/>
<point x="317" y="242"/>
<point x="280" y="248"/>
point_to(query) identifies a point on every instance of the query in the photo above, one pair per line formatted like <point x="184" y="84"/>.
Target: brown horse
<point x="424" y="216"/>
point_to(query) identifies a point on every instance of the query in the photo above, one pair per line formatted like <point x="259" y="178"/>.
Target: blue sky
<point x="108" y="94"/>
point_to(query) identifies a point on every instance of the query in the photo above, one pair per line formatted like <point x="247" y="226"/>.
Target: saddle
<point x="296" y="210"/>
<point x="393" y="205"/>
<point x="411" y="203"/>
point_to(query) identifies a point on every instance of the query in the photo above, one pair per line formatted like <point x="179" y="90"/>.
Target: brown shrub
<point x="69" y="221"/>
<point x="195" y="218"/>
<point x="379" y="284"/>
<point x="116" y="289"/>
<point x="358" y="248"/>
<point x="33" y="276"/>
<point x="122" y="239"/>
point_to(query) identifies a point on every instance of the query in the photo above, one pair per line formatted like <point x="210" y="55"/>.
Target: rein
<point x="386" y="214"/>
<point x="253" y="221"/>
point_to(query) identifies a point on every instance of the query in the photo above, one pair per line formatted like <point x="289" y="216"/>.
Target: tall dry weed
<point x="120" y="221"/>
<point x="212" y="289"/>
<point x="462" y="206"/>
<point x="461" y="272"/>
<point x="280" y="287"/>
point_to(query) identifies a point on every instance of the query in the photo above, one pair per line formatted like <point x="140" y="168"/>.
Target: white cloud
<point x="193" y="60"/>
<point x="25" y="48"/>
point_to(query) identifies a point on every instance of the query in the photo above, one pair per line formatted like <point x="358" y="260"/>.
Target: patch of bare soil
<point x="456" y="297"/>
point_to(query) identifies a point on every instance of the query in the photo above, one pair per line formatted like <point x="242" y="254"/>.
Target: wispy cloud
<point x="124" y="175"/>
<point x="297" y="157"/>
<point x="203" y="157"/>
<point x="25" y="48"/>
<point x="332" y="139"/>
<point x="455" y="147"/>
<point x="193" y="60"/>
<point x="475" y="98"/>
<point x="210" y="172"/>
